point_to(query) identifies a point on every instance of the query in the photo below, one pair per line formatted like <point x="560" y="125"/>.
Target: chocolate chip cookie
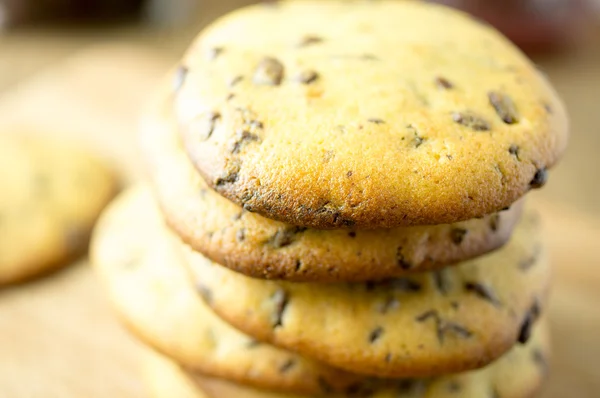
<point x="52" y="193"/>
<point x="422" y="325"/>
<point x="259" y="247"/>
<point x="350" y="114"/>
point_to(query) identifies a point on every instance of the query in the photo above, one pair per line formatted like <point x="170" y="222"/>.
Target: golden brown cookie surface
<point x="259" y="247"/>
<point x="366" y="114"/>
<point x="421" y="325"/>
<point x="52" y="192"/>
<point x="517" y="375"/>
<point x="141" y="265"/>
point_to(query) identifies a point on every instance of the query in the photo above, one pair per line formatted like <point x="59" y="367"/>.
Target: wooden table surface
<point x="58" y="337"/>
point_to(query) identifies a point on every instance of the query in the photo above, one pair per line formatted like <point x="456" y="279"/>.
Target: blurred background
<point x="85" y="68"/>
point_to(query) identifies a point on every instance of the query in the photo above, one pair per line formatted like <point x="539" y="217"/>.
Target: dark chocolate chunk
<point x="539" y="179"/>
<point x="514" y="150"/>
<point x="404" y="285"/>
<point x="309" y="40"/>
<point x="204" y="125"/>
<point x="269" y="72"/>
<point x="281" y="300"/>
<point x="401" y="261"/>
<point x="375" y="335"/>
<point x="504" y="106"/>
<point x="236" y="80"/>
<point x="375" y="120"/>
<point x="287" y="365"/>
<point x="495" y="222"/>
<point x="352" y="234"/>
<point x="528" y="322"/>
<point x="241" y="235"/>
<point x="253" y="344"/>
<point x="285" y="236"/>
<point x="443" y="83"/>
<point x="444" y="327"/>
<point x="472" y="121"/>
<point x="204" y="292"/>
<point x="243" y="138"/>
<point x="441" y="281"/>
<point x="214" y="52"/>
<point x="454" y="387"/>
<point x="307" y="77"/>
<point x="226" y="179"/>
<point x="483" y="291"/>
<point x="458" y="235"/>
<point x="179" y="78"/>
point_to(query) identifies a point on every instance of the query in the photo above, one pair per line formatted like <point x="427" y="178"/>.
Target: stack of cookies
<point x="336" y="209"/>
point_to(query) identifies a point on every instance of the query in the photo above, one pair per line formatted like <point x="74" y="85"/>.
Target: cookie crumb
<point x="307" y="77"/>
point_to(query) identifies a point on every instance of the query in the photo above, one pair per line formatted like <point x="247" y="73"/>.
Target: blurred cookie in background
<point x="52" y="193"/>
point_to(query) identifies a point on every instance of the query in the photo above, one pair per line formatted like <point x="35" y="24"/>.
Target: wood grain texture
<point x="58" y="337"/>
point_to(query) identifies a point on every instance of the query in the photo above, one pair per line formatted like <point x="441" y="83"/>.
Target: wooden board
<point x="58" y="337"/>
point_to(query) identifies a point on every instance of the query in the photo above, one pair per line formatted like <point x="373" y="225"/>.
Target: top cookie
<point x="52" y="192"/>
<point x="366" y="114"/>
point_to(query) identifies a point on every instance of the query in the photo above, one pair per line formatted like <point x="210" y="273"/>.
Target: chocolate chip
<point x="235" y="80"/>
<point x="418" y="141"/>
<point x="214" y="52"/>
<point x="287" y="365"/>
<point x="375" y="120"/>
<point x="204" y="292"/>
<point x="548" y="108"/>
<point x="298" y="266"/>
<point x="229" y="178"/>
<point x="483" y="291"/>
<point x="269" y="72"/>
<point x="307" y="77"/>
<point x="527" y="324"/>
<point x="180" y="77"/>
<point x="243" y="138"/>
<point x="514" y="150"/>
<point x="444" y="327"/>
<point x="539" y="179"/>
<point x="401" y="261"/>
<point x="443" y="83"/>
<point x="352" y="234"/>
<point x="458" y="235"/>
<point x="411" y="387"/>
<point x="204" y="125"/>
<point x="241" y="235"/>
<point x="390" y="303"/>
<point x="285" y="236"/>
<point x="441" y="281"/>
<point x="494" y="222"/>
<point x="281" y="300"/>
<point x="454" y="387"/>
<point x="403" y="285"/>
<point x="324" y="385"/>
<point x="309" y="40"/>
<point x="504" y="106"/>
<point x="349" y="174"/>
<point x="253" y="344"/>
<point x="375" y="335"/>
<point x="470" y="120"/>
